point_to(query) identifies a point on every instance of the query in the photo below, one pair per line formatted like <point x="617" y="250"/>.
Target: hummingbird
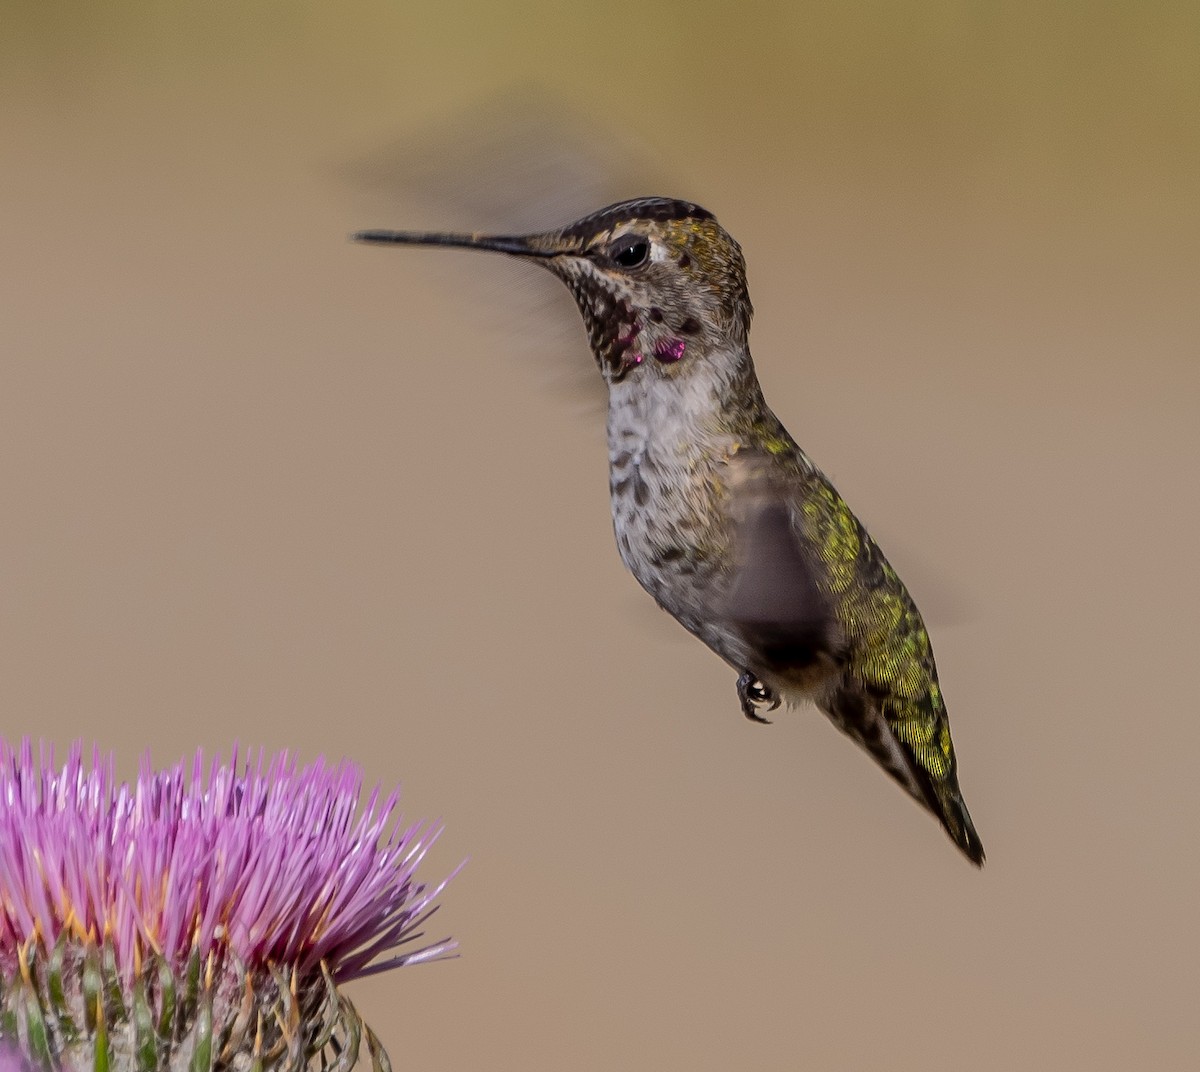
<point x="718" y="513"/>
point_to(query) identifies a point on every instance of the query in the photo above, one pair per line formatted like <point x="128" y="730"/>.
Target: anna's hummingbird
<point x="719" y="515"/>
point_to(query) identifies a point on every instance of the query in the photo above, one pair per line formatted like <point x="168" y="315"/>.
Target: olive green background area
<point x="261" y="484"/>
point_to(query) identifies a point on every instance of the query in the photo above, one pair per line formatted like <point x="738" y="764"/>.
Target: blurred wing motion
<point x="510" y="163"/>
<point x="816" y="599"/>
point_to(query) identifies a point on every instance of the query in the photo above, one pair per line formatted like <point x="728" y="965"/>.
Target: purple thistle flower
<point x="211" y="911"/>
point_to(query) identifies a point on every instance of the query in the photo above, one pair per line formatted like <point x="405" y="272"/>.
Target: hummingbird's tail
<point x="861" y="717"/>
<point x="956" y="819"/>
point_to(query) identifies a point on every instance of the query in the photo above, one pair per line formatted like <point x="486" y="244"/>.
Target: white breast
<point x="664" y="454"/>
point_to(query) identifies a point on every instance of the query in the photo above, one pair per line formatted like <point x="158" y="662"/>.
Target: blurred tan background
<point x="261" y="484"/>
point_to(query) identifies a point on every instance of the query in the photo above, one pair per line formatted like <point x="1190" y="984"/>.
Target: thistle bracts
<point x="199" y="922"/>
<point x="72" y="1010"/>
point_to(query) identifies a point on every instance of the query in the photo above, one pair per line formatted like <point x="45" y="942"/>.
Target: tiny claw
<point x="753" y="693"/>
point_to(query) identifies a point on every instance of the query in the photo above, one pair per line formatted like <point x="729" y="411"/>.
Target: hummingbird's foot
<point x="753" y="693"/>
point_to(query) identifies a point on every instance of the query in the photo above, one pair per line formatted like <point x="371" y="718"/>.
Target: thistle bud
<point x="203" y="917"/>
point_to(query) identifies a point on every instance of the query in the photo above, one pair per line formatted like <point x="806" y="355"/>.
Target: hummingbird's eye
<point x="630" y="251"/>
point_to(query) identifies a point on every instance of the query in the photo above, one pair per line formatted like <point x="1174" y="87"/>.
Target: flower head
<point x="236" y="895"/>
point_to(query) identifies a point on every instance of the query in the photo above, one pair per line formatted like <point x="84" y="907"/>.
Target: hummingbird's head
<point x="661" y="285"/>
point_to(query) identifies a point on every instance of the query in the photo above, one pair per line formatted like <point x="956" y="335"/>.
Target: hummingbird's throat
<point x="626" y="354"/>
<point x="622" y="334"/>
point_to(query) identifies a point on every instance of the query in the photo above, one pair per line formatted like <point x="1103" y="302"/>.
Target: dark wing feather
<point x="813" y="592"/>
<point x="777" y="601"/>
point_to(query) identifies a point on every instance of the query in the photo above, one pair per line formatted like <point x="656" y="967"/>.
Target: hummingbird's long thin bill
<point x="514" y="244"/>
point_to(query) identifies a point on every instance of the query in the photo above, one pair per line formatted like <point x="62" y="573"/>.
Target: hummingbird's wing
<point x="888" y="698"/>
<point x="776" y="602"/>
<point x="819" y="605"/>
<point x="512" y="161"/>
